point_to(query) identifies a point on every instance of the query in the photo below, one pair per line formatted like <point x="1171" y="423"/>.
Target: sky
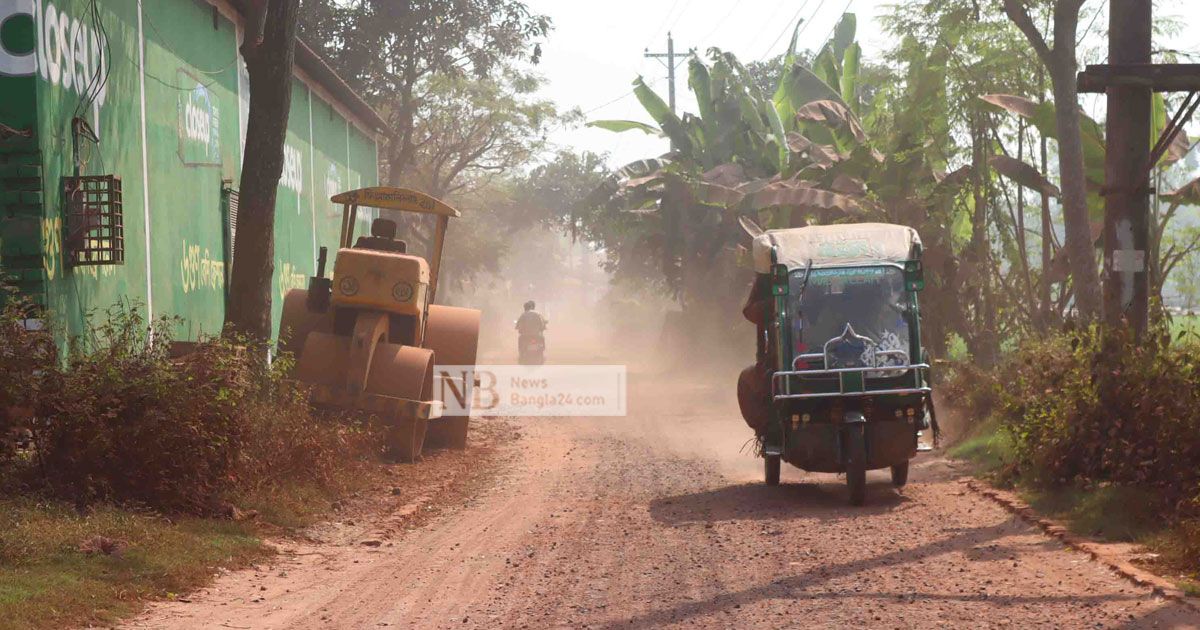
<point x="597" y="49"/>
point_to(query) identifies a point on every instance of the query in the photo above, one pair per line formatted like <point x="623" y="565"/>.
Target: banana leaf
<point x="1187" y="194"/>
<point x="620" y="126"/>
<point x="1179" y="146"/>
<point x="833" y="114"/>
<point x="804" y="196"/>
<point x="843" y="35"/>
<point x="822" y="155"/>
<point x="658" y="109"/>
<point x="1023" y="174"/>
<point x="797" y="88"/>
<point x="750" y="226"/>
<point x="849" y="79"/>
<point x="1042" y="117"/>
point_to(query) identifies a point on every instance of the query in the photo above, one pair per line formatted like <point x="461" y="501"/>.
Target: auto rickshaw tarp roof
<point x="844" y="245"/>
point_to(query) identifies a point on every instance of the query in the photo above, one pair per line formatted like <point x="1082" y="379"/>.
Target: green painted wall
<point x="20" y="160"/>
<point x="190" y="105"/>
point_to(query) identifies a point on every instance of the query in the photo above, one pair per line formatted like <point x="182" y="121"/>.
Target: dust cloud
<point x="592" y="320"/>
<point x="682" y="391"/>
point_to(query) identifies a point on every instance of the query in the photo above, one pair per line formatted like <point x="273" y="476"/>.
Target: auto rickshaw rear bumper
<point x="817" y="447"/>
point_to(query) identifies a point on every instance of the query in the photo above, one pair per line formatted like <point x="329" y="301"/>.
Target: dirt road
<point x="657" y="520"/>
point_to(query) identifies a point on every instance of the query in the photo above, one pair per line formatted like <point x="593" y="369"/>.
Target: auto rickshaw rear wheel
<point x="771" y="469"/>
<point x="900" y="475"/>
<point x="856" y="464"/>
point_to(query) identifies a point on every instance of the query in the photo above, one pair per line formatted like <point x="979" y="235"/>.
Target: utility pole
<point x="1129" y="79"/>
<point x="1126" y="170"/>
<point x="671" y="65"/>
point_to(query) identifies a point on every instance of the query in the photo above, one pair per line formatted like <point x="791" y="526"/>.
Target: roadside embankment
<point x="1097" y="432"/>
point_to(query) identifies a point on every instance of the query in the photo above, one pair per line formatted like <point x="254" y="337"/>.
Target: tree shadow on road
<point x="805" y="585"/>
<point x="757" y="501"/>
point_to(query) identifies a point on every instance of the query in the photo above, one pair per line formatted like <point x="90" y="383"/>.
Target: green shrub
<point x="127" y="424"/>
<point x="1088" y="407"/>
<point x="23" y="353"/>
<point x="118" y="420"/>
<point x="969" y="388"/>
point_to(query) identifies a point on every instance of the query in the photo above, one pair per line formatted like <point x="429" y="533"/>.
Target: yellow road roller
<point x="368" y="338"/>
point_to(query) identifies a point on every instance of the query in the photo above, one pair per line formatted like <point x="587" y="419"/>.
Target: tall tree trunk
<point x="1022" y="242"/>
<point x="401" y="148"/>
<point x="269" y="59"/>
<point x="1047" y="235"/>
<point x="1061" y="63"/>
<point x="982" y="340"/>
<point x="1081" y="249"/>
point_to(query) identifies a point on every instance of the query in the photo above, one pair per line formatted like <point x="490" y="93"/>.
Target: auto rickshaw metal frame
<point x="845" y="419"/>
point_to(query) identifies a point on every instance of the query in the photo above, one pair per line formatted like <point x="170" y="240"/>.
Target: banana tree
<point x="814" y="152"/>
<point x="729" y="156"/>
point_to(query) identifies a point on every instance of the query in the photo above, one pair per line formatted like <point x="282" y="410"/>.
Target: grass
<point x="1185" y="324"/>
<point x="1108" y="513"/>
<point x="292" y="507"/>
<point x="46" y="581"/>
<point x="986" y="447"/>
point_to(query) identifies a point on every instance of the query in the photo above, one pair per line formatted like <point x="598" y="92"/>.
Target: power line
<point x="621" y="97"/>
<point x="606" y="104"/>
<point x="790" y="25"/>
<point x="839" y="19"/>
<point x="722" y="20"/>
<point x="683" y="12"/>
<point x="667" y="18"/>
<point x="770" y="19"/>
<point x="1088" y="30"/>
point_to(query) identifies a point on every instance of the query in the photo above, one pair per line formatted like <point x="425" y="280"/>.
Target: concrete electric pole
<point x="671" y="65"/>
<point x="1130" y="79"/>
<point x="1127" y="191"/>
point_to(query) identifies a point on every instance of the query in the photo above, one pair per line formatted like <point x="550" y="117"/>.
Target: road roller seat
<point x="382" y="238"/>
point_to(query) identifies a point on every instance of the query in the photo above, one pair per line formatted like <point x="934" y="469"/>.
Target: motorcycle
<point x="531" y="350"/>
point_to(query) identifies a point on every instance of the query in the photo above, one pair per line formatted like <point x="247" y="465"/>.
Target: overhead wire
<point x="666" y="19"/>
<point x="791" y="24"/>
<point x="722" y="21"/>
<point x="839" y="19"/>
<point x="621" y="97"/>
<point x="1092" y="23"/>
<point x="767" y="22"/>
<point x="662" y="26"/>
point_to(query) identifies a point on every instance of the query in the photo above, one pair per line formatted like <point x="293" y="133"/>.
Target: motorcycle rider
<point x="531" y="326"/>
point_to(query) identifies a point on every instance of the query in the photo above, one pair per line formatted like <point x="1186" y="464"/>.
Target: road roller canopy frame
<point x="400" y="200"/>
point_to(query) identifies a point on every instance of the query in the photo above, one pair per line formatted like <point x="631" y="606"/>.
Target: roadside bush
<point x="124" y="423"/>
<point x="1089" y="407"/>
<point x="969" y="388"/>
<point x="1113" y="410"/>
<point x="23" y="352"/>
<point x="118" y="420"/>
<point x="1108" y="422"/>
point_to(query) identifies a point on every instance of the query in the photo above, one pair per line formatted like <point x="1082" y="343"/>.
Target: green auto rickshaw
<point x="841" y="384"/>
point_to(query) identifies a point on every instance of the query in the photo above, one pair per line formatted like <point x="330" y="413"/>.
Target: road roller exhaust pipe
<point x="320" y="288"/>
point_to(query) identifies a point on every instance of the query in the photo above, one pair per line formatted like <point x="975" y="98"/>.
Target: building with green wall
<point x="154" y="93"/>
